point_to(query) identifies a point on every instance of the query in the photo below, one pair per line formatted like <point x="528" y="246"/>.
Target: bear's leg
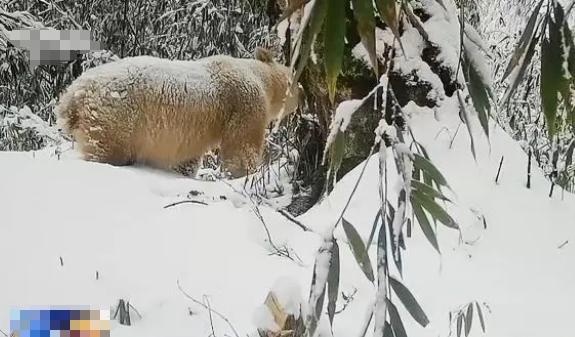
<point x="188" y="168"/>
<point x="241" y="150"/>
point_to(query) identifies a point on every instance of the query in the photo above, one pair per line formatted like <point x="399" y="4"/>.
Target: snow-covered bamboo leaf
<point x="396" y="253"/>
<point x="525" y="61"/>
<point x="409" y="302"/>
<point x="365" y="17"/>
<point x="480" y="314"/>
<point x="466" y="120"/>
<point x="358" y="249"/>
<point x="382" y="274"/>
<point x="424" y="224"/>
<point x="310" y="30"/>
<point x="318" y="285"/>
<point x="333" y="281"/>
<point x="426" y="189"/>
<point x="524" y="41"/>
<point x="396" y="323"/>
<point x="334" y="42"/>
<point x="468" y="319"/>
<point x="435" y="210"/>
<point x="388" y="11"/>
<point x="428" y="168"/>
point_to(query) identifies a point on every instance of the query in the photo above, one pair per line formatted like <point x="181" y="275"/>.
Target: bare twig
<point x="499" y="170"/>
<point x="291" y="218"/>
<point x="224" y="318"/>
<point x="186" y="202"/>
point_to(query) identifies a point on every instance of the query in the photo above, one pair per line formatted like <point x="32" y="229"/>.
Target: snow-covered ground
<point x="77" y="233"/>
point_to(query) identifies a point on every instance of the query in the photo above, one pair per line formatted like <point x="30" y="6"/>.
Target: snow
<point x="111" y="221"/>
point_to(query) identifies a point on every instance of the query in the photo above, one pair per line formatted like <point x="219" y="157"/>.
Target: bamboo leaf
<point x="437" y="212"/>
<point x="552" y="77"/>
<point x="521" y="72"/>
<point x="309" y="32"/>
<point x="334" y="42"/>
<point x="459" y="324"/>
<point x="358" y="249"/>
<point x="480" y="314"/>
<point x="365" y="17"/>
<point x="465" y="117"/>
<point x="426" y="189"/>
<point x="396" y="323"/>
<point x="387" y="332"/>
<point x="468" y="319"/>
<point x="388" y="12"/>
<point x="337" y="151"/>
<point x="428" y="168"/>
<point x="479" y="90"/>
<point x="524" y="41"/>
<point x="569" y="154"/>
<point x="424" y="224"/>
<point x="333" y="281"/>
<point x="409" y="302"/>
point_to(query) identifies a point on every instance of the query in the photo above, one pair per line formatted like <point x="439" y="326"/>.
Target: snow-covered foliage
<point x="502" y="23"/>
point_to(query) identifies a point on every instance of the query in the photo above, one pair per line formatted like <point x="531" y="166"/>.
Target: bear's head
<point x="285" y="96"/>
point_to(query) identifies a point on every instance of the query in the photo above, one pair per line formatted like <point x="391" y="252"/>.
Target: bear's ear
<point x="264" y="55"/>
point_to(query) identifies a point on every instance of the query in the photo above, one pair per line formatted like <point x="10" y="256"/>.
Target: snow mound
<point x="78" y="233"/>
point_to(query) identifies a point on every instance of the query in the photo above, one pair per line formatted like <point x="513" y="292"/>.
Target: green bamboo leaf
<point x="524" y="41"/>
<point x="334" y="42"/>
<point x="468" y="319"/>
<point x="549" y="90"/>
<point x="424" y="224"/>
<point x="437" y="212"/>
<point x="358" y="249"/>
<point x="310" y="30"/>
<point x="428" y="168"/>
<point x="480" y="314"/>
<point x="426" y="189"/>
<point x="388" y="12"/>
<point x="479" y="90"/>
<point x="365" y="17"/>
<point x="568" y="87"/>
<point x="396" y="323"/>
<point x="459" y="324"/>
<point x="337" y="151"/>
<point x="387" y="332"/>
<point x="333" y="281"/>
<point x="409" y="302"/>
